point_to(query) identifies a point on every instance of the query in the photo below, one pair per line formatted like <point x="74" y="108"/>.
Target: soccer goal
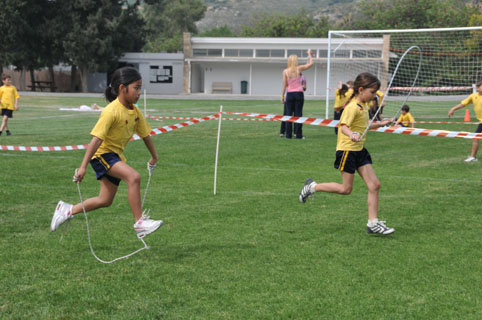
<point x="448" y="62"/>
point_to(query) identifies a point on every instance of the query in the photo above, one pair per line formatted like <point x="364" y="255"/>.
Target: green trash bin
<point x="244" y="87"/>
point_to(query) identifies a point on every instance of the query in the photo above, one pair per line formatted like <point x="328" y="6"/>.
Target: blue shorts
<point x="7" y="112"/>
<point x="479" y="128"/>
<point x="102" y="164"/>
<point x="350" y="161"/>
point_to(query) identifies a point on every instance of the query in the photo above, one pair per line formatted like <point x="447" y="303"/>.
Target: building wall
<point x="162" y="73"/>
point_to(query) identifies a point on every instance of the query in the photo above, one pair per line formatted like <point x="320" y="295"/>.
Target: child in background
<point x="475" y="99"/>
<point x="9" y="102"/>
<point x="351" y="155"/>
<point x="405" y="118"/>
<point x="116" y="125"/>
<point x="375" y="104"/>
<point x="342" y="95"/>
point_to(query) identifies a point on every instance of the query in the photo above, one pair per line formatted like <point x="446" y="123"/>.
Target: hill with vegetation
<point x="236" y="13"/>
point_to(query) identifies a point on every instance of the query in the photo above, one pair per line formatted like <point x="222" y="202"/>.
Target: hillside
<point x="235" y="13"/>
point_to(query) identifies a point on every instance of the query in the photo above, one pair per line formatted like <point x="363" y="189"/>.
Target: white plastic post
<point x="145" y="103"/>
<point x="217" y="147"/>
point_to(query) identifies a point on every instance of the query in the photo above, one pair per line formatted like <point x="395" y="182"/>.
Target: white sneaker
<point x="146" y="225"/>
<point x="306" y="190"/>
<point x="380" y="228"/>
<point x="470" y="159"/>
<point x="62" y="213"/>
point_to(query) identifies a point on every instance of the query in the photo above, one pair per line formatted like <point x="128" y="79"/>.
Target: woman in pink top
<point x="294" y="97"/>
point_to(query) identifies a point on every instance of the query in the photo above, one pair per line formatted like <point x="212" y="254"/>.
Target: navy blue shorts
<point x="7" y="112"/>
<point x="102" y="164"/>
<point x="479" y="128"/>
<point x="350" y="161"/>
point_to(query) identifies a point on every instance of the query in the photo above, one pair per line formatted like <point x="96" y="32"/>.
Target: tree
<point x="167" y="20"/>
<point x="279" y="25"/>
<point x="409" y="14"/>
<point x="101" y="31"/>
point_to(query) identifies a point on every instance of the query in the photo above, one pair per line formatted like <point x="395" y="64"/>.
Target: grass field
<point x="252" y="251"/>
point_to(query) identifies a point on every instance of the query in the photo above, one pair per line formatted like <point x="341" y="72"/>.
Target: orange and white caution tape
<point x="398" y="130"/>
<point x="191" y="118"/>
<point x="135" y="137"/>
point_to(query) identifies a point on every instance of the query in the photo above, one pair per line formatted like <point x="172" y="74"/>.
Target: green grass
<point x="252" y="251"/>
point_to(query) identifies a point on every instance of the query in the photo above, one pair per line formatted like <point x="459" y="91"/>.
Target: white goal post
<point x="451" y="64"/>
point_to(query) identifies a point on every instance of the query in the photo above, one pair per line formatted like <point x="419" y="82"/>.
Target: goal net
<point x="448" y="62"/>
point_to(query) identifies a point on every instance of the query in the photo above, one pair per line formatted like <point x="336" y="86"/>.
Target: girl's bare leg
<point x="126" y="173"/>
<point x="368" y="175"/>
<point x="340" y="188"/>
<point x="104" y="199"/>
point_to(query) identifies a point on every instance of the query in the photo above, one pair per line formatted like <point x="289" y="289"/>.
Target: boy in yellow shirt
<point x="406" y="118"/>
<point x="475" y="99"/>
<point x="9" y="102"/>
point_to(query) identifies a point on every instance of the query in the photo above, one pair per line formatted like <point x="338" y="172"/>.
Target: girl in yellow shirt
<point x="116" y="125"/>
<point x="475" y="99"/>
<point x="351" y="155"/>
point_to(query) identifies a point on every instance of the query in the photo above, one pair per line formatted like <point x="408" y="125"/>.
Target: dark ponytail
<point x="125" y="76"/>
<point x="364" y="80"/>
<point x="343" y="90"/>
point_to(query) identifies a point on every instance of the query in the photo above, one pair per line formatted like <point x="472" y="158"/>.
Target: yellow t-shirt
<point x="406" y="119"/>
<point x="476" y="99"/>
<point x="340" y="101"/>
<point x="355" y="116"/>
<point x="8" y="95"/>
<point x="116" y="125"/>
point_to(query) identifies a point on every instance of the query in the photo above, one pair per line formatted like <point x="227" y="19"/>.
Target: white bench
<point x="222" y="86"/>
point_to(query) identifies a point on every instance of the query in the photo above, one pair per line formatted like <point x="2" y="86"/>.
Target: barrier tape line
<point x="135" y="137"/>
<point x="397" y="130"/>
<point x="190" y="118"/>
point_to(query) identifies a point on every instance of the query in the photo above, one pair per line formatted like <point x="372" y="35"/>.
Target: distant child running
<point x="405" y="118"/>
<point x="116" y="125"/>
<point x="9" y="102"/>
<point x="351" y="155"/>
<point x="475" y="99"/>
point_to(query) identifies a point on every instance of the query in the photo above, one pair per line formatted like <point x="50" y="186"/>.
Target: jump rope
<point x="150" y="169"/>
<point x="390" y="85"/>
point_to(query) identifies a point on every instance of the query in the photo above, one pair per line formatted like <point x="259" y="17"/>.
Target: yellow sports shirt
<point x="8" y="95"/>
<point x="355" y="117"/>
<point x="116" y="125"/>
<point x="340" y="101"/>
<point x="406" y="119"/>
<point x="476" y="100"/>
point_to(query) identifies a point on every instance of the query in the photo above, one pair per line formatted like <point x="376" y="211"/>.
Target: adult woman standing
<point x="294" y="97"/>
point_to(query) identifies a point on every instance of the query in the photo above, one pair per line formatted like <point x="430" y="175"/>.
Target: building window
<point x="246" y="53"/>
<point x="341" y="54"/>
<point x="262" y="53"/>
<point x="374" y="53"/>
<point x="238" y="53"/>
<point x="277" y="53"/>
<point x="359" y="53"/>
<point x="215" y="52"/>
<point x="200" y="52"/>
<point x="160" y="74"/>
<point x="322" y="53"/>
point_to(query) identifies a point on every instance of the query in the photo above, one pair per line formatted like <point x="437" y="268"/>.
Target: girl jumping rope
<point x="116" y="125"/>
<point x="351" y="155"/>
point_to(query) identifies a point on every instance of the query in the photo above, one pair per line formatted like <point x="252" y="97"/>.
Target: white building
<point x="162" y="73"/>
<point x="223" y="63"/>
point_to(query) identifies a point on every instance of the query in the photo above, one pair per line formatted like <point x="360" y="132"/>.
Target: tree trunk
<point x="83" y="78"/>
<point x="22" y="79"/>
<point x="73" y="78"/>
<point x="32" y="78"/>
<point x="52" y="78"/>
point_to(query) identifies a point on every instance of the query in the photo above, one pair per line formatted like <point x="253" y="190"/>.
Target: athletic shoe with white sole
<point x="62" y="213"/>
<point x="306" y="191"/>
<point x="380" y="228"/>
<point x="470" y="159"/>
<point x="146" y="225"/>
